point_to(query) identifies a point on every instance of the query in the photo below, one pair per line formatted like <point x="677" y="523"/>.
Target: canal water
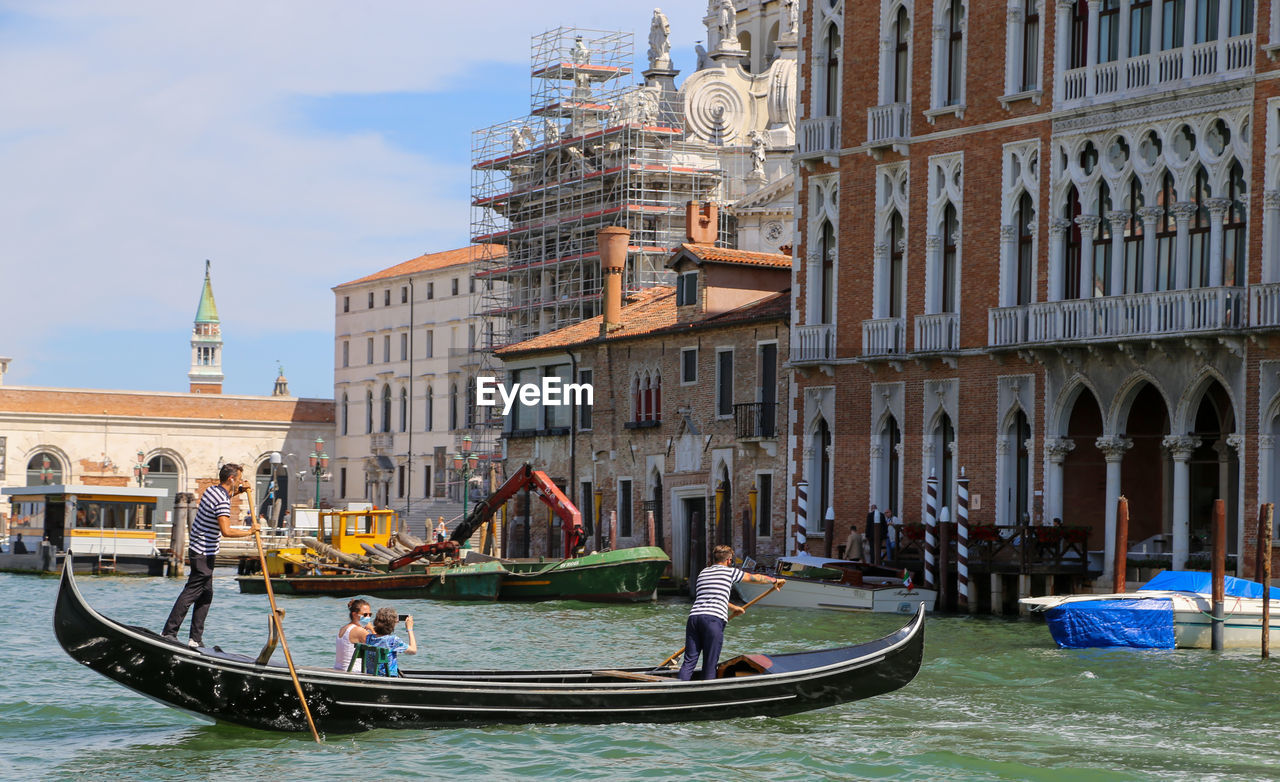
<point x="994" y="700"/>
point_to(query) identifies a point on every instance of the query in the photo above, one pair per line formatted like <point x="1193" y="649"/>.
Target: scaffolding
<point x="595" y="150"/>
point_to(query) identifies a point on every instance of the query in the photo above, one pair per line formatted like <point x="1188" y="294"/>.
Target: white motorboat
<point x="1171" y="610"/>
<point x="840" y="585"/>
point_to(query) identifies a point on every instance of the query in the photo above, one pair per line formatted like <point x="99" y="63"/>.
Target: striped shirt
<point x="206" y="534"/>
<point x="714" y="584"/>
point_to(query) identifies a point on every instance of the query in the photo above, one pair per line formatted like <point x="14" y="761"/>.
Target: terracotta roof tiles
<point x="435" y="261"/>
<point x="707" y="252"/>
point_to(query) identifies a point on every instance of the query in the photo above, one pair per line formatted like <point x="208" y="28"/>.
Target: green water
<point x="994" y="700"/>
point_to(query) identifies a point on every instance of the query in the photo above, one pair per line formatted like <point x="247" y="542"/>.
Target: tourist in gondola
<point x="384" y="637"/>
<point x="211" y="524"/>
<point x="357" y="628"/>
<point x="704" y="630"/>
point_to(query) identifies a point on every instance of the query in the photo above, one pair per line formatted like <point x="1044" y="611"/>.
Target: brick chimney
<point x="701" y="222"/>
<point x="612" y="241"/>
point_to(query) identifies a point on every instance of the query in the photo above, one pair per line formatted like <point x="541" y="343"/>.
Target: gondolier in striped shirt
<point x="704" y="630"/>
<point x="211" y="524"/>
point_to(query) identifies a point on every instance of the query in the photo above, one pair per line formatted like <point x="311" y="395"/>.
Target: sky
<point x="297" y="144"/>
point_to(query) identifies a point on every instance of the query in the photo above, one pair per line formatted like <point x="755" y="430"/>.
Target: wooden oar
<point x="275" y="617"/>
<point x="776" y="586"/>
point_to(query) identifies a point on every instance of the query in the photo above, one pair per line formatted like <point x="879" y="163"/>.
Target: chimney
<point x="612" y="241"/>
<point x="701" y="223"/>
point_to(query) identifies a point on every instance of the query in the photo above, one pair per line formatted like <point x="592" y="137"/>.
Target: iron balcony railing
<point x="756" y="420"/>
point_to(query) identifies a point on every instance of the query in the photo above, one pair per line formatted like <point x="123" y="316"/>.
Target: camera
<point x="403" y="617"/>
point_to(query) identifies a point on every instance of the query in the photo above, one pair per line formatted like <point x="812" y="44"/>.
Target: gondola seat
<point x="375" y="657"/>
<point x="744" y="665"/>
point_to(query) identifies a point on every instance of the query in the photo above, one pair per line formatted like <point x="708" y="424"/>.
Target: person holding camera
<point x="384" y="637"/>
<point x="211" y="524"/>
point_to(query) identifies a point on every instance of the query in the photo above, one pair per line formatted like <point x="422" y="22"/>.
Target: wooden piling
<point x="931" y="532"/>
<point x="1264" y="575"/>
<point x="648" y="521"/>
<point x="944" y="566"/>
<point x="1122" y="544"/>
<point x="1219" y="572"/>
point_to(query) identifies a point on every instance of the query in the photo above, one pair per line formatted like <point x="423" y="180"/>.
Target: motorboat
<point x="841" y="585"/>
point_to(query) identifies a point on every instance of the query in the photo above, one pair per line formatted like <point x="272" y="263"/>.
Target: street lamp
<point x="140" y="470"/>
<point x="319" y="462"/>
<point x="464" y="463"/>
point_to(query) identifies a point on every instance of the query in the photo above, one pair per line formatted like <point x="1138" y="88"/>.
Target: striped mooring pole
<point x="931" y="532"/>
<point x="962" y="541"/>
<point x="802" y="513"/>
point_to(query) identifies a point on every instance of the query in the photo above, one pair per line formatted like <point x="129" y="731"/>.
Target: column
<point x="1009" y="267"/>
<point x="1157" y="37"/>
<point x="876" y="477"/>
<point x="1113" y="448"/>
<point x="1091" y="50"/>
<point x="1122" y="49"/>
<point x="1057" y="449"/>
<point x="1188" y="36"/>
<point x="1217" y="211"/>
<point x="1270" y="239"/>
<point x="1118" y="219"/>
<point x="1057" y="275"/>
<point x="1182" y="212"/>
<point x="939" y="67"/>
<point x="1088" y="229"/>
<point x="932" y="274"/>
<point x="886" y="69"/>
<point x="813" y="280"/>
<point x="1062" y="43"/>
<point x="1180" y="448"/>
<point x="1013" y="51"/>
<point x="1224" y="29"/>
<point x="1150" y="216"/>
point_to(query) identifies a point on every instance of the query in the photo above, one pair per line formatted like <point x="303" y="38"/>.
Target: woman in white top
<point x="353" y="632"/>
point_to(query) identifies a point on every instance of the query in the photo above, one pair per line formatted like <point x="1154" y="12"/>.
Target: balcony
<point x="888" y="125"/>
<point x="813" y="344"/>
<point x="383" y="442"/>
<point x="939" y="333"/>
<point x="1187" y="66"/>
<point x="884" y="337"/>
<point x="1122" y="318"/>
<point x="818" y="138"/>
<point x="1264" y="310"/>
<point x="756" y="421"/>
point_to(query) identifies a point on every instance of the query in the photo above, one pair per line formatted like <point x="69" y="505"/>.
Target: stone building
<point x="687" y="384"/>
<point x="1039" y="241"/>
<point x="99" y="438"/>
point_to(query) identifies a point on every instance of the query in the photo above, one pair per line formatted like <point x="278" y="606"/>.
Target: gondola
<point x="239" y="689"/>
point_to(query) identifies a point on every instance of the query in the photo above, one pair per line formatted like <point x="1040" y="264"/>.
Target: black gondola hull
<point x="233" y="688"/>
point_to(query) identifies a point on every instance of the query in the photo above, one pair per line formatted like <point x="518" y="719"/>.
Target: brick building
<point x="687" y="383"/>
<point x="1039" y="241"/>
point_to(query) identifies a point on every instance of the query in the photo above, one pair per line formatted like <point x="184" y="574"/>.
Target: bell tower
<point x="206" y="344"/>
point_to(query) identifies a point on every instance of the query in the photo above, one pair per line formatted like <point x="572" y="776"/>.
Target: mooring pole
<point x="1122" y="545"/>
<point x="931" y="532"/>
<point x="944" y="564"/>
<point x="1264" y="543"/>
<point x="802" y="514"/>
<point x="1219" y="572"/>
<point x="962" y="541"/>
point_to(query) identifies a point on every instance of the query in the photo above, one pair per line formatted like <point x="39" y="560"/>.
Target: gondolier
<point x="211" y="524"/>
<point x="704" y="630"/>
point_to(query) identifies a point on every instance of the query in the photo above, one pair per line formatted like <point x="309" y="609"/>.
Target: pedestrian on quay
<point x="211" y="524"/>
<point x="853" y="544"/>
<point x="889" y="533"/>
<point x="442" y="532"/>
<point x="704" y="630"/>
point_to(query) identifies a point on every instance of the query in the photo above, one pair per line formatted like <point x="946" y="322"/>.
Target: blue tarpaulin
<point x="1201" y="582"/>
<point x="1144" y="624"/>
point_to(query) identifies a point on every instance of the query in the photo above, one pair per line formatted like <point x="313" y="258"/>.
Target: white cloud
<point x="139" y="138"/>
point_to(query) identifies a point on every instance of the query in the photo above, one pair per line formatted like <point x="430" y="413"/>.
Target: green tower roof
<point x="207" y="312"/>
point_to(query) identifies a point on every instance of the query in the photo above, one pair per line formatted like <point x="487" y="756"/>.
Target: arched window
<point x="1030" y="45"/>
<point x="1025" y="222"/>
<point x="901" y="57"/>
<point x="404" y="410"/>
<point x="897" y="236"/>
<point x="1022" y="469"/>
<point x="891" y="437"/>
<point x="831" y="99"/>
<point x="44" y="469"/>
<point x="1199" y="230"/>
<point x="1133" y="239"/>
<point x="1166" y="236"/>
<point x="953" y="79"/>
<point x="342" y="413"/>
<point x="368" y="412"/>
<point x="828" y="250"/>
<point x="1071" y="247"/>
<point x="648" y="397"/>
<point x="657" y="396"/>
<point x="1233" y="230"/>
<point x="946" y="437"/>
<point x="386" y="408"/>
<point x="162" y="473"/>
<point x="950" y="233"/>
<point x="637" y="403"/>
<point x="1102" y="243"/>
<point x="821" y="483"/>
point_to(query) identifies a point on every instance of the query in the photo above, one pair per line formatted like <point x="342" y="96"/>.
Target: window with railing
<point x="1134" y="241"/>
<point x="953" y="78"/>
<point x="386" y="408"/>
<point x="1026" y="249"/>
<point x="1139" y="27"/>
<point x="1166" y="235"/>
<point x="1078" y="53"/>
<point x="1199" y="230"/>
<point x="831" y="92"/>
<point x="950" y="259"/>
<point x="1233" y="228"/>
<point x="894" y="281"/>
<point x="1109" y="31"/>
<point x="827" y="246"/>
<point x="1071" y="247"/>
<point x="901" y="57"/>
<point x="1102" y="243"/>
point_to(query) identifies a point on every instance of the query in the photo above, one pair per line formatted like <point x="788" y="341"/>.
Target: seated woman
<point x="384" y="637"/>
<point x="353" y="632"/>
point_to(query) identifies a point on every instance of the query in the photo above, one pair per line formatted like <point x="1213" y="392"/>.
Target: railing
<point x="813" y="343"/>
<point x="1119" y="317"/>
<point x="1014" y="548"/>
<point x="756" y="420"/>
<point x="818" y="137"/>
<point x="883" y="336"/>
<point x="938" y="333"/>
<point x="383" y="441"/>
<point x="1147" y="73"/>
<point x="888" y="123"/>
<point x="1265" y="301"/>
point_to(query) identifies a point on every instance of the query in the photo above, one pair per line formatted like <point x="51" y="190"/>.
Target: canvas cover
<point x="1201" y="582"/>
<point x="1142" y="624"/>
